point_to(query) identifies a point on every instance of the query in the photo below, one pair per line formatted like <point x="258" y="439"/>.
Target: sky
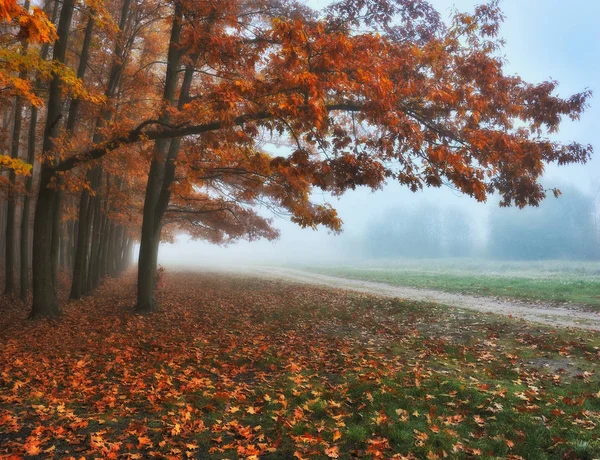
<point x="545" y="39"/>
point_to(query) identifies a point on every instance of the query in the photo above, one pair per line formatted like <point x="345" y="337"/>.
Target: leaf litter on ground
<point x="242" y="367"/>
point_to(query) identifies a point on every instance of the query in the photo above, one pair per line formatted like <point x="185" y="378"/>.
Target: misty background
<point x="545" y="39"/>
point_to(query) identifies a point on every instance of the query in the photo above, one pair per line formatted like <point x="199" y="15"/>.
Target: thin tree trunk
<point x="95" y="244"/>
<point x="25" y="220"/>
<point x="83" y="242"/>
<point x="124" y="253"/>
<point x="72" y="240"/>
<point x="56" y="234"/>
<point x="70" y="127"/>
<point x="81" y="269"/>
<point x="108" y="244"/>
<point x="115" y="250"/>
<point x="9" y="261"/>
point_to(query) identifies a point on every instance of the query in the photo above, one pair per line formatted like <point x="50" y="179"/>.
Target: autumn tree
<point x="365" y="92"/>
<point x="416" y="103"/>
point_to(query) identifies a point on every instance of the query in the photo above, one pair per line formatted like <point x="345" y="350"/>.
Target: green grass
<point x="554" y="282"/>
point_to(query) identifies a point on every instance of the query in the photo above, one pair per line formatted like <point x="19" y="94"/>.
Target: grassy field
<point x="552" y="282"/>
<point x="239" y="367"/>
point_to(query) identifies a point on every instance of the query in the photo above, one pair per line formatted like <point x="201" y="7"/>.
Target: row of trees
<point x="426" y="231"/>
<point x="562" y="228"/>
<point x="565" y="228"/>
<point x="143" y="118"/>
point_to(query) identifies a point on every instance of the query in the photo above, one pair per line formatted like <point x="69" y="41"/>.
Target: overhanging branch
<point x="137" y="134"/>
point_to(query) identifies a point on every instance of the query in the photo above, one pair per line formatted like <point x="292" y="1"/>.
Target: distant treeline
<point x="567" y="227"/>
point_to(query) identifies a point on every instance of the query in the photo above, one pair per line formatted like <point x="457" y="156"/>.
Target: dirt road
<point x="549" y="315"/>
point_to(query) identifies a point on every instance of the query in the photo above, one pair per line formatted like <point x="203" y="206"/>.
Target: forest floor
<point x="538" y="310"/>
<point x="238" y="366"/>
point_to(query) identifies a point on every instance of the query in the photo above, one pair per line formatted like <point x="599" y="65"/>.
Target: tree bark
<point x="150" y="240"/>
<point x="94" y="244"/>
<point x="25" y="220"/>
<point x="81" y="268"/>
<point x="31" y="144"/>
<point x="45" y="302"/>
<point x="9" y="260"/>
<point x="151" y="225"/>
<point x="82" y="248"/>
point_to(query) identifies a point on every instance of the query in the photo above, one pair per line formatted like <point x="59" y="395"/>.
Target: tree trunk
<point x="85" y="238"/>
<point x="82" y="244"/>
<point x="115" y="251"/>
<point x="151" y="225"/>
<point x="95" y="244"/>
<point x="9" y="249"/>
<point x="31" y="143"/>
<point x="108" y="245"/>
<point x="81" y="268"/>
<point x="150" y="240"/>
<point x="102" y="250"/>
<point x="9" y="261"/>
<point x="45" y="302"/>
<point x="71" y="246"/>
<point x="56" y="234"/>
<point x="25" y="220"/>
<point x="125" y="253"/>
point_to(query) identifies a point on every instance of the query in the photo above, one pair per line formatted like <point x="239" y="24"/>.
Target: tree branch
<point x="170" y="132"/>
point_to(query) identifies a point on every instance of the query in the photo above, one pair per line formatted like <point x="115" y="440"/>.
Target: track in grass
<point x="545" y="282"/>
<point x="551" y="315"/>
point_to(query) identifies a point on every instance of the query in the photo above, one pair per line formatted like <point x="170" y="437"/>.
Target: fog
<point x="545" y="39"/>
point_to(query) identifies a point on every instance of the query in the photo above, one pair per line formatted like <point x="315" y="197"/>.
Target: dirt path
<point x="553" y="316"/>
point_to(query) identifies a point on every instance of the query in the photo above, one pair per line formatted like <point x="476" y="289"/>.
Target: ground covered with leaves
<point x="239" y="367"/>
